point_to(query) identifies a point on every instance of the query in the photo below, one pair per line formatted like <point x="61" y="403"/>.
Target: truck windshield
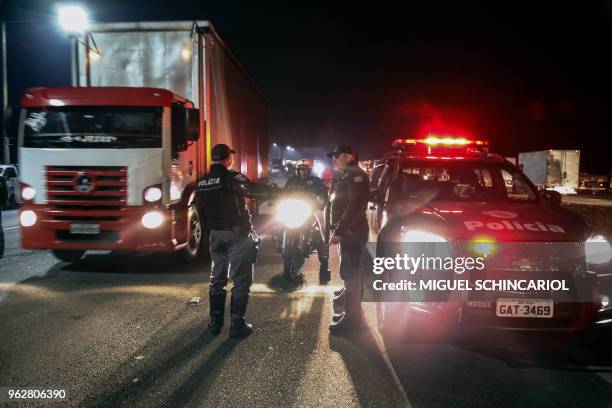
<point x="467" y="182"/>
<point x="92" y="127"/>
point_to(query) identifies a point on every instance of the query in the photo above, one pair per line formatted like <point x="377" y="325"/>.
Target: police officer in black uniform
<point x="305" y="181"/>
<point x="349" y="199"/>
<point x="220" y="198"/>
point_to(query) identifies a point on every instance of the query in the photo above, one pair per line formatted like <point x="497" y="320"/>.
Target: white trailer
<point x="557" y="170"/>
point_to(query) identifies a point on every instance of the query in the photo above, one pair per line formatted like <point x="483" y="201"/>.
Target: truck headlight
<point x="152" y="219"/>
<point x="27" y="218"/>
<point x="152" y="194"/>
<point x="597" y="250"/>
<point x="28" y="193"/>
<point x="293" y="212"/>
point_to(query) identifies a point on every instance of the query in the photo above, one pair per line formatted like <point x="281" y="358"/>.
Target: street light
<point x="72" y="19"/>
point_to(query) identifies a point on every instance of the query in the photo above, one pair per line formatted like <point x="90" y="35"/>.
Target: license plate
<point x="85" y="229"/>
<point x="537" y="308"/>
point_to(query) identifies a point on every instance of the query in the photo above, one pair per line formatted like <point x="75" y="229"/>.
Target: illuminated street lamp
<point x="72" y="19"/>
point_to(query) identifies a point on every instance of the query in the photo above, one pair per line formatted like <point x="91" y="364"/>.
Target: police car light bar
<point x="435" y="141"/>
<point x="442" y="147"/>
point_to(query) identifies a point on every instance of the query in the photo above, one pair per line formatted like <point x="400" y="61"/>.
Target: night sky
<point x="526" y="76"/>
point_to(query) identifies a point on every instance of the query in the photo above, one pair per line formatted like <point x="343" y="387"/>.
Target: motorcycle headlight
<point x="293" y="212"/>
<point x="597" y="250"/>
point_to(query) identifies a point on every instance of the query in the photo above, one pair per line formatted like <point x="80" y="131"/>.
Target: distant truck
<point x="552" y="169"/>
<point x="111" y="163"/>
<point x="592" y="184"/>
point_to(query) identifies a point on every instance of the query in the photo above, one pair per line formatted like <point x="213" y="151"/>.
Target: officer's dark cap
<point x="341" y="149"/>
<point x="220" y="152"/>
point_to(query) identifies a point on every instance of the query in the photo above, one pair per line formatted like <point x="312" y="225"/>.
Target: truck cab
<point x="452" y="192"/>
<point x="108" y="168"/>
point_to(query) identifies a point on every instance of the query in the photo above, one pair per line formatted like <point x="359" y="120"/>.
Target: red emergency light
<point x="445" y="147"/>
<point x="445" y="141"/>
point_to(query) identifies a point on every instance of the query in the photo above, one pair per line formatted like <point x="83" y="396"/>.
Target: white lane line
<point x="383" y="352"/>
<point x="9" y="228"/>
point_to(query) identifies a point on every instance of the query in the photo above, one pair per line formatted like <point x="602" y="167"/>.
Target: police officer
<point x="220" y="198"/>
<point x="348" y="199"/>
<point x="305" y="181"/>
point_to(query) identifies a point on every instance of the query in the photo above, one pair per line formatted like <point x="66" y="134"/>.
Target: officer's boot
<point x="239" y="327"/>
<point x="339" y="297"/>
<point x="352" y="319"/>
<point x="217" y="309"/>
<point x="337" y="316"/>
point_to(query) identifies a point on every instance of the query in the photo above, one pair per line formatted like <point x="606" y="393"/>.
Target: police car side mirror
<point x="552" y="197"/>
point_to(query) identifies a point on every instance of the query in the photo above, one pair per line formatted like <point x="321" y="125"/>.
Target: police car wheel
<point x="393" y="320"/>
<point x="68" y="255"/>
<point x="194" y="243"/>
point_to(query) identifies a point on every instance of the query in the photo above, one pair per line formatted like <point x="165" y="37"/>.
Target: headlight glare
<point x="152" y="219"/>
<point x="293" y="212"/>
<point x="153" y="194"/>
<point x="421" y="236"/>
<point x="27" y="218"/>
<point x="28" y="193"/>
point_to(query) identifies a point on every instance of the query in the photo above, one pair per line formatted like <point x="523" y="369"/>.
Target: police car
<point x="451" y="190"/>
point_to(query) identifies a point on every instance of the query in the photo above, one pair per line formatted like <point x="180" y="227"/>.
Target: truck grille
<point x="87" y="194"/>
<point x="87" y="187"/>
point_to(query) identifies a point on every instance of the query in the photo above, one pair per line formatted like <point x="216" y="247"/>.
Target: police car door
<point x="379" y="189"/>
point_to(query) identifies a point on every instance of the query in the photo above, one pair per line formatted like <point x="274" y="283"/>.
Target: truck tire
<point x="195" y="235"/>
<point x="68" y="255"/>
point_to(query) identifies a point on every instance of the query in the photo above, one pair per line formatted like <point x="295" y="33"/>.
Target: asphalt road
<point x="119" y="330"/>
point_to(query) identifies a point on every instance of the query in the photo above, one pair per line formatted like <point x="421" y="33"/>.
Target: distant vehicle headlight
<point x="597" y="250"/>
<point x="421" y="236"/>
<point x="28" y="193"/>
<point x="27" y="218"/>
<point x="152" y="219"/>
<point x="293" y="212"/>
<point x="153" y="194"/>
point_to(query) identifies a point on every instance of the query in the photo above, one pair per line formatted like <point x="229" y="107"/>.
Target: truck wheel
<point x="195" y="234"/>
<point x="68" y="255"/>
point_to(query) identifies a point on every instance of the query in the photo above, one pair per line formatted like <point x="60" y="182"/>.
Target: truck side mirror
<point x="192" y="125"/>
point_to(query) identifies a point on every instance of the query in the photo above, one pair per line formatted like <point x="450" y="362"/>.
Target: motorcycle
<point x="301" y="233"/>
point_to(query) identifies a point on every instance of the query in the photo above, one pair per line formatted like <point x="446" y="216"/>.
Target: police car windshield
<point x="466" y="181"/>
<point x="93" y="127"/>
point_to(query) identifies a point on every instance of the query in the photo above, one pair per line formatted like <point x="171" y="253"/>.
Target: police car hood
<point x="511" y="222"/>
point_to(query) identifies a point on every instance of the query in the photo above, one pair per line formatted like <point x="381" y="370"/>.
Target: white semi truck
<point x="111" y="162"/>
<point x="552" y="169"/>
